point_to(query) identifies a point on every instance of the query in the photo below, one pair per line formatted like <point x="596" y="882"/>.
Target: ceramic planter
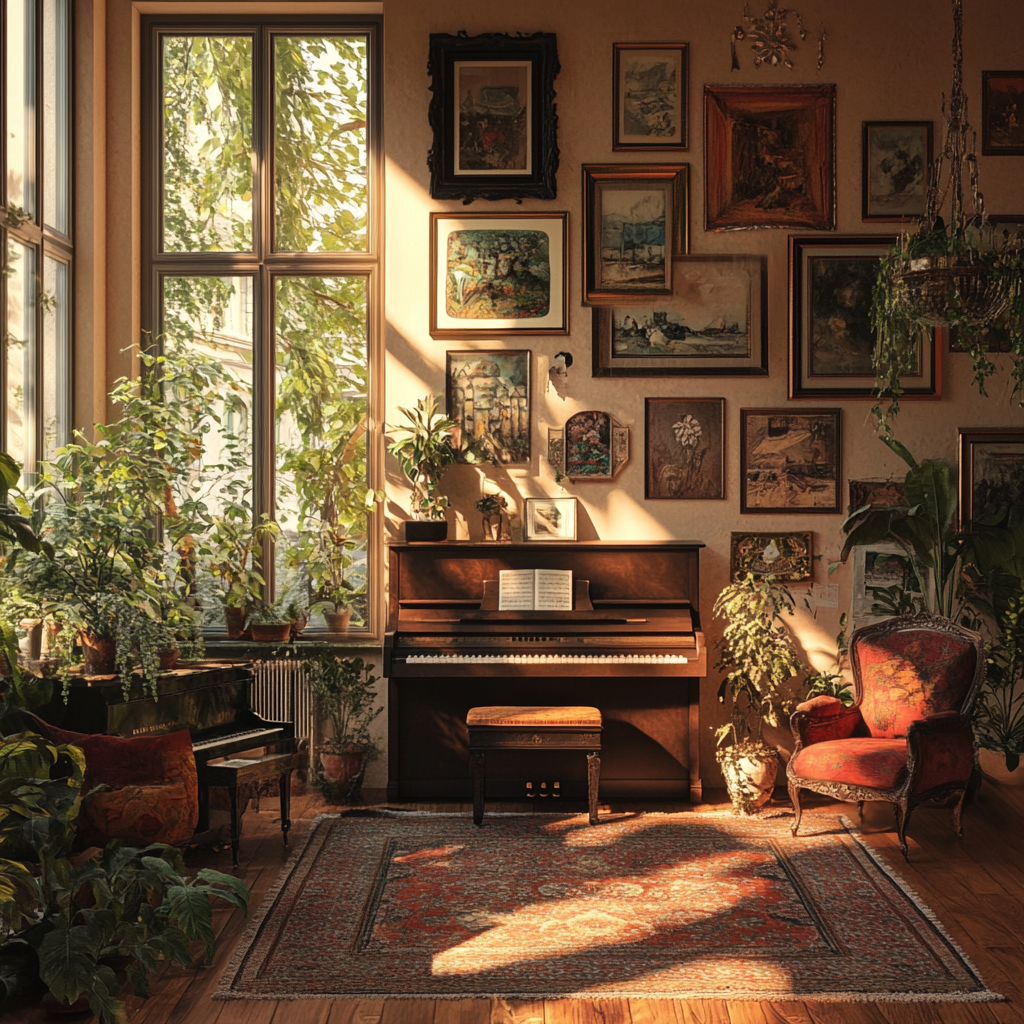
<point x="234" y="622"/>
<point x="750" y="773"/>
<point x="993" y="766"/>
<point x="100" y="654"/>
<point x="338" y="622"/>
<point x="33" y="642"/>
<point x="344" y="768"/>
<point x="271" y="632"/>
<point x="426" y="530"/>
<point x="168" y="658"/>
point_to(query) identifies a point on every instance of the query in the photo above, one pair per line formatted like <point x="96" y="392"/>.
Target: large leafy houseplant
<point x="424" y="448"/>
<point x="999" y="713"/>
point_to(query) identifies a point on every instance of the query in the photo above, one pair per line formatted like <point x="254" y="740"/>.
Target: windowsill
<point x="256" y="651"/>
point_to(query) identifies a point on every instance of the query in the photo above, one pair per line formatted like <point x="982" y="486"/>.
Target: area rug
<point x="685" y="906"/>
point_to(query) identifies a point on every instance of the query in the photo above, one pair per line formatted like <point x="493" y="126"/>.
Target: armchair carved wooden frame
<point x="907" y="737"/>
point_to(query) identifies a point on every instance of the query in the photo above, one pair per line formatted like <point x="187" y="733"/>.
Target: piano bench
<point x="533" y="728"/>
<point x="246" y="774"/>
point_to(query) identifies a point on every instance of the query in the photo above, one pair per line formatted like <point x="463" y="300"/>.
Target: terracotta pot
<point x="749" y="777"/>
<point x="338" y="622"/>
<point x="168" y="658"/>
<point x="33" y="641"/>
<point x="343" y="768"/>
<point x="54" y="628"/>
<point x="426" y="530"/>
<point x="234" y="622"/>
<point x="271" y="632"/>
<point x="993" y="766"/>
<point x="100" y="654"/>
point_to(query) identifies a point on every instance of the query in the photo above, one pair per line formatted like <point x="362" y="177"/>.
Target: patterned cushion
<point x="907" y="675"/>
<point x="861" y="761"/>
<point x="138" y="814"/>
<point x="534" y="717"/>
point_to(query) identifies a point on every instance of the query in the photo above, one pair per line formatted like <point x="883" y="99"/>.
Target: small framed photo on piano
<point x="550" y="519"/>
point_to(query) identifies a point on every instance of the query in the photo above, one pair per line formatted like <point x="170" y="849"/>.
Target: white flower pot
<point x="993" y="766"/>
<point x="750" y="779"/>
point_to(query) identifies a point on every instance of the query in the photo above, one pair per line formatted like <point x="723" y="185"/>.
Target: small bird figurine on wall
<point x="560" y="364"/>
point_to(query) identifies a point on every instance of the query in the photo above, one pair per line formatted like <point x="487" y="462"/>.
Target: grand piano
<point x="631" y="646"/>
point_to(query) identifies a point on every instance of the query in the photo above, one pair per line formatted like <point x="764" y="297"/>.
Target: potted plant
<point x="757" y="653"/>
<point x="496" y="522"/>
<point x="424" y="452"/>
<point x="270" y="622"/>
<point x="344" y="694"/>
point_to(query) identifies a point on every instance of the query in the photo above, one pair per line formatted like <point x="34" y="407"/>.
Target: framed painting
<point x="880" y="493"/>
<point x="1002" y="231"/>
<point x="714" y="324"/>
<point x="498" y="272"/>
<point x="650" y="94"/>
<point x="1002" y="113"/>
<point x="790" y="461"/>
<point x="684" y="448"/>
<point x="769" y="157"/>
<point x="493" y="116"/>
<point x="549" y="519"/>
<point x="991" y="474"/>
<point x="897" y="158"/>
<point x="634" y="222"/>
<point x="884" y="579"/>
<point x="831" y="340"/>
<point x="488" y="396"/>
<point x="786" y="556"/>
<point x="591" y="446"/>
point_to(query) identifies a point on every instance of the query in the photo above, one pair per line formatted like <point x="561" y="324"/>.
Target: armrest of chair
<point x="823" y="718"/>
<point x="941" y="750"/>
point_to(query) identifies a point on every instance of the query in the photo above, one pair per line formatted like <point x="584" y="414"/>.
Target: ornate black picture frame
<point x="493" y="116"/>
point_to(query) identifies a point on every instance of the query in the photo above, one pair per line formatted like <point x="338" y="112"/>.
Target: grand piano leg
<point x="477" y="769"/>
<point x="593" y="784"/>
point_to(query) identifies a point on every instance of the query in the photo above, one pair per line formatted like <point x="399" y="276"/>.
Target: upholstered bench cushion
<point x="528" y="717"/>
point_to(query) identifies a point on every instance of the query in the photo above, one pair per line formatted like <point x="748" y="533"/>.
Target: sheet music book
<point x="541" y="590"/>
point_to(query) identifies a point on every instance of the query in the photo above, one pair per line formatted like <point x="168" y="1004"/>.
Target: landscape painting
<point x="493" y="132"/>
<point x="884" y="579"/>
<point x="1002" y="113"/>
<point x="991" y="475"/>
<point x="488" y="396"/>
<point x="786" y="556"/>
<point x="684" y="448"/>
<point x="633" y="225"/>
<point x="650" y="96"/>
<point x="498" y="272"/>
<point x="897" y="160"/>
<point x="789" y="461"/>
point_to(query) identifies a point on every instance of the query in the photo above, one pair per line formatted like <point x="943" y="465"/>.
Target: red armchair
<point x="907" y="738"/>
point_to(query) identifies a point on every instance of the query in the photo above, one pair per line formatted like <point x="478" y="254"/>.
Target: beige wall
<point x="889" y="60"/>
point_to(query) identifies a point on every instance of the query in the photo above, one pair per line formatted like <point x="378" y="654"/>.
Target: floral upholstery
<point x="860" y="761"/>
<point x="909" y="674"/>
<point x="140" y="815"/>
<point x="828" y="719"/>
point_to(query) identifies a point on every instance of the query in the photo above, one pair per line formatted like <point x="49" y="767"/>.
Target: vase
<point x="271" y="632"/>
<point x="100" y="654"/>
<point x="168" y="658"/>
<point x="420" y="531"/>
<point x="234" y="622"/>
<point x="338" y="622"/>
<point x="993" y="766"/>
<point x="750" y="773"/>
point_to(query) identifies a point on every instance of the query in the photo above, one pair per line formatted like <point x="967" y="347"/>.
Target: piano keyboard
<point x="545" y="659"/>
<point x="257" y="737"/>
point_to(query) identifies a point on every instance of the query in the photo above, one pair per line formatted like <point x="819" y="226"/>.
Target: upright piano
<point x="631" y="646"/>
<point x="211" y="700"/>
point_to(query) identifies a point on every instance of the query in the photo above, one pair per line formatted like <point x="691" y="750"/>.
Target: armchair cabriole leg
<point x="903" y="812"/>
<point x="958" y="809"/>
<point x="860" y="811"/>
<point x="794" y="796"/>
<point x="477" y="767"/>
<point x="593" y="783"/>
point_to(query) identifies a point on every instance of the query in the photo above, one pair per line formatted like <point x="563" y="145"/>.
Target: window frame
<point x="265" y="264"/>
<point x="46" y="242"/>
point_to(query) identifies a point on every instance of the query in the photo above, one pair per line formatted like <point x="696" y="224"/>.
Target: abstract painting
<point x="769" y="157"/>
<point x="713" y="323"/>
<point x="832" y="340"/>
<point x="897" y="159"/>
<point x="991" y="475"/>
<point x="790" y="461"/>
<point x="786" y="556"/>
<point x="488" y="395"/>
<point x="684" y="448"/>
<point x="498" y="272"/>
<point x="493" y="132"/>
<point x="650" y="102"/>
<point x="884" y="493"/>
<point x="591" y="446"/>
<point x="1002" y="113"/>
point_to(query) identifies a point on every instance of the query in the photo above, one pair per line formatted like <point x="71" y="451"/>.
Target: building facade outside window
<point x="262" y="253"/>
<point x="35" y="225"/>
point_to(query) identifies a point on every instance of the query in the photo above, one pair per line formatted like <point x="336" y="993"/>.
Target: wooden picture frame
<point x="769" y="157"/>
<point x="790" y="460"/>
<point x="592" y="446"/>
<point x="789" y="557"/>
<point x="635" y="220"/>
<point x="889" y="493"/>
<point x="831" y="340"/>
<point x="549" y="519"/>
<point x="991" y="473"/>
<point x="1002" y="113"/>
<point x="487" y="394"/>
<point x="650" y="96"/>
<point x="493" y="116"/>
<point x="684" y="448"/>
<point x="896" y="168"/>
<point x="498" y="272"/>
<point x="690" y="333"/>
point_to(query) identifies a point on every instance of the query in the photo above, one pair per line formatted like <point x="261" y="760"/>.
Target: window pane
<point x="56" y="384"/>
<point x="321" y="379"/>
<point x="208" y="346"/>
<point x="320" y="143"/>
<point x="21" y="104"/>
<point x="21" y="352"/>
<point x="207" y="143"/>
<point x="56" y="114"/>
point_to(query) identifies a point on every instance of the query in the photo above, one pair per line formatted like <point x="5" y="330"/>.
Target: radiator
<point x="279" y="692"/>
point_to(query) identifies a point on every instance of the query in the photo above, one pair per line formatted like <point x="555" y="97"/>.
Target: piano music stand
<point x="533" y="728"/>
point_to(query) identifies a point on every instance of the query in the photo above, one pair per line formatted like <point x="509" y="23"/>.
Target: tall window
<point x="263" y="251"/>
<point x="35" y="227"/>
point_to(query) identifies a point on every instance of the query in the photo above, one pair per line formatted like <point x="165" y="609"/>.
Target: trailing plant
<point x="424" y="453"/>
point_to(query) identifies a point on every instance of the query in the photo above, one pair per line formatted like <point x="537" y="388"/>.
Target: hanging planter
<point x="940" y="291"/>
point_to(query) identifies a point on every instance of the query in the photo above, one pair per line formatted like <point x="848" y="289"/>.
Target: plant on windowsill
<point x="761" y="664"/>
<point x="270" y="622"/>
<point x="344" y="693"/>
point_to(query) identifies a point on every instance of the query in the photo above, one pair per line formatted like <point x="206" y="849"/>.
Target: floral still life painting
<point x="591" y="446"/>
<point x="489" y="400"/>
<point x="897" y="159"/>
<point x="684" y="448"/>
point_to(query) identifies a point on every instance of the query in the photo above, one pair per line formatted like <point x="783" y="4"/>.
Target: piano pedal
<point x="557" y="787"/>
<point x="543" y="789"/>
<point x="529" y="790"/>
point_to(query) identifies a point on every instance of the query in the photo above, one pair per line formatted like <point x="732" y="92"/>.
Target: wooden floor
<point x="975" y="885"/>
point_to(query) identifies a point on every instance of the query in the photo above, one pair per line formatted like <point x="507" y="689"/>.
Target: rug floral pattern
<point x="680" y="905"/>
